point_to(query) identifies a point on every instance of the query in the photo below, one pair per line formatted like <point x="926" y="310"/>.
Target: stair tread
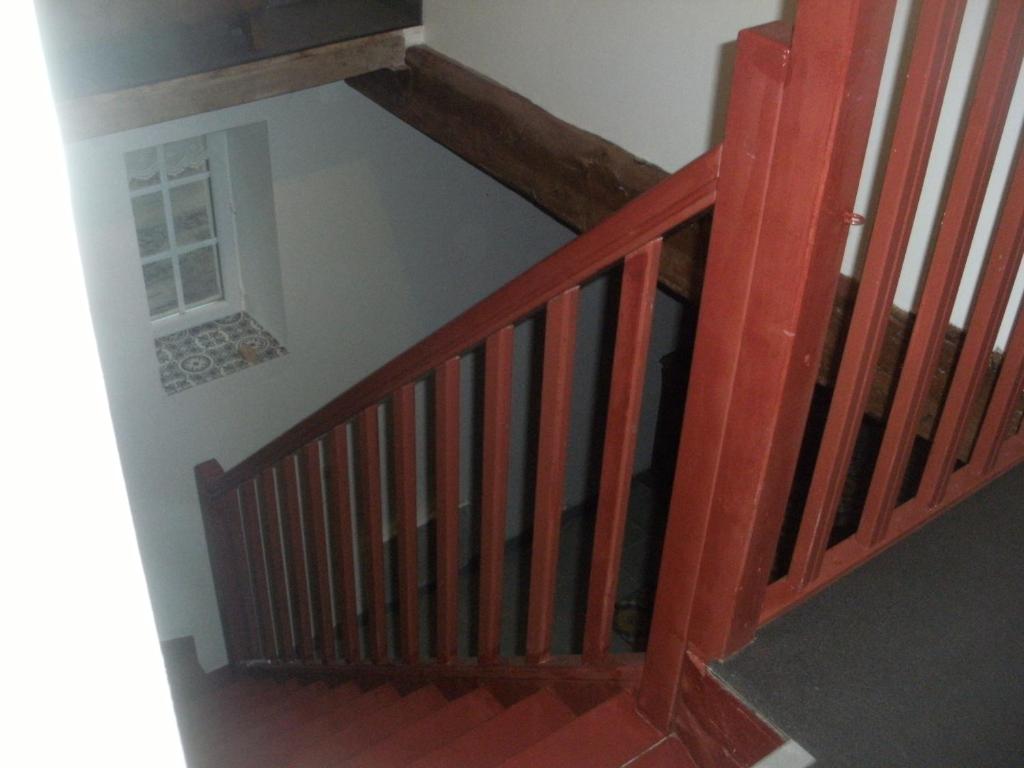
<point x="235" y="721"/>
<point x="605" y="737"/>
<point x="670" y="753"/>
<point x="306" y="735"/>
<point x="430" y="732"/>
<point x="259" y="736"/>
<point x="216" y="707"/>
<point x="523" y="724"/>
<point x="364" y="731"/>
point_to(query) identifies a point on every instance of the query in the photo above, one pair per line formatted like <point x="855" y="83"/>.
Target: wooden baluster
<point x="555" y="410"/>
<point x="927" y="75"/>
<point x="986" y="119"/>
<point x="257" y="567"/>
<point x="404" y="412"/>
<point x="343" y="541"/>
<point x="993" y="295"/>
<point x="223" y="527"/>
<point x="632" y="335"/>
<point x="296" y="555"/>
<point x="1005" y="396"/>
<point x="275" y="562"/>
<point x="369" y="478"/>
<point x="796" y="132"/>
<point x="321" y="571"/>
<point x="497" y="407"/>
<point x="446" y="515"/>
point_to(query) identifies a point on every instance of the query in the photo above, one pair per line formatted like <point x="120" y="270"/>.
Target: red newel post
<point x="223" y="527"/>
<point x="796" y="133"/>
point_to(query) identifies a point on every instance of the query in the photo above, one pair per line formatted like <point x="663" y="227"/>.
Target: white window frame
<point x="222" y="218"/>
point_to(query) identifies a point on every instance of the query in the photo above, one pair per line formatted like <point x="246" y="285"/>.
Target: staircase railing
<point x="275" y="570"/>
<point x="783" y="184"/>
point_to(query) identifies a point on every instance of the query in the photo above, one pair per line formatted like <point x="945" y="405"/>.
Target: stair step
<point x="233" y="689"/>
<point x="238" y="720"/>
<point x="431" y="732"/>
<point x="605" y="737"/>
<point x="309" y="734"/>
<point x="225" y="711"/>
<point x="246" y="747"/>
<point x="363" y="732"/>
<point x="213" y="706"/>
<point x="668" y="754"/>
<point x="523" y="724"/>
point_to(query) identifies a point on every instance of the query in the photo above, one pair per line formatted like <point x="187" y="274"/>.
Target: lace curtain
<point x="180" y="156"/>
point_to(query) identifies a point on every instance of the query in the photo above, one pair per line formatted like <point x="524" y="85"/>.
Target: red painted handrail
<point x="683" y="195"/>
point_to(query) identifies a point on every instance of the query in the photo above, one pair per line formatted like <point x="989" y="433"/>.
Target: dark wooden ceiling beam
<point x="122" y="110"/>
<point x="575" y="176"/>
<point x="580" y="178"/>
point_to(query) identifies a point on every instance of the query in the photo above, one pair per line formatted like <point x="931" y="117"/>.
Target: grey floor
<point x="638" y="575"/>
<point x="915" y="659"/>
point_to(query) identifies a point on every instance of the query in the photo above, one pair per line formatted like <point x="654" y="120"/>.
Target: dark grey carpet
<point x="917" y="658"/>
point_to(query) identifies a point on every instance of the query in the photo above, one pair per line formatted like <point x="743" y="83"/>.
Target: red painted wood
<point x="275" y="563"/>
<point x="908" y="517"/>
<point x="669" y="753"/>
<point x="632" y="335"/>
<point x="680" y="197"/>
<point x="318" y="546"/>
<point x="432" y="731"/>
<point x="257" y="567"/>
<point x="555" y="409"/>
<point x="296" y="555"/>
<point x="260" y="739"/>
<point x="283" y="751"/>
<point x="993" y="295"/>
<point x="742" y="469"/>
<point x="363" y="732"/>
<point x="342" y="540"/>
<point x="605" y="737"/>
<point x="720" y="730"/>
<point x="494" y="489"/>
<point x="928" y="72"/>
<point x="1005" y="396"/>
<point x="372" y="524"/>
<point x="223" y="527"/>
<point x="404" y="413"/>
<point x="503" y="736"/>
<point x="751" y="126"/>
<point x="985" y="120"/>
<point x="446" y="514"/>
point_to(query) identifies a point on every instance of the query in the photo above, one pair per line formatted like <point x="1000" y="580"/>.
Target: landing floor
<point x="917" y="658"/>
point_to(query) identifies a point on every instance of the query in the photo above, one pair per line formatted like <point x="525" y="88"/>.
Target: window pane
<point x="185" y="158"/>
<point x="143" y="168"/>
<point x="200" y="276"/>
<point x="190" y="208"/>
<point x="150" y="223"/>
<point x="160" y="290"/>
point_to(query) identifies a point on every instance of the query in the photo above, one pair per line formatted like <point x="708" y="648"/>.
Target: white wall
<point x="653" y="76"/>
<point x="383" y="237"/>
<point x="70" y="577"/>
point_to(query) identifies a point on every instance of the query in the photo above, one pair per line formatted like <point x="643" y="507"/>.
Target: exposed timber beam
<point x="105" y="113"/>
<point x="580" y="178"/>
<point x="575" y="176"/>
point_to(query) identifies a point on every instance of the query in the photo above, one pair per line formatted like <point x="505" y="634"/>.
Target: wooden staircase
<point x="329" y="672"/>
<point x="263" y="720"/>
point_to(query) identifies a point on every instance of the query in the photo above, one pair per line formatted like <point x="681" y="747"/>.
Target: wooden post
<point x="222" y="523"/>
<point x="795" y="139"/>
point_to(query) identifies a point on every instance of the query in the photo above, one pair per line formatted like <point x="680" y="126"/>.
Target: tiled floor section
<point x="212" y="350"/>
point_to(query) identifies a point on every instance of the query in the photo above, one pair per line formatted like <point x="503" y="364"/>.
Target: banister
<point x="681" y="196"/>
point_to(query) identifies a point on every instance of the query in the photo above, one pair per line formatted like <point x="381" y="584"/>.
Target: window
<point x="181" y="206"/>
